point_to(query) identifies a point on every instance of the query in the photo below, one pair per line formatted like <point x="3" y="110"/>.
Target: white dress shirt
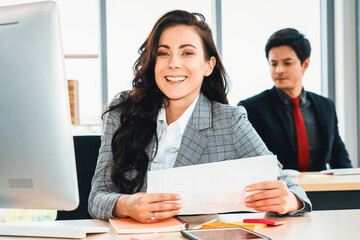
<point x="169" y="138"/>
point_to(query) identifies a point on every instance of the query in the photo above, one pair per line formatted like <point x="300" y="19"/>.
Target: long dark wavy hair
<point x="140" y="106"/>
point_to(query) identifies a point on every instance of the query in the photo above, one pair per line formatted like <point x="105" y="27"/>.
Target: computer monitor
<point x="37" y="161"/>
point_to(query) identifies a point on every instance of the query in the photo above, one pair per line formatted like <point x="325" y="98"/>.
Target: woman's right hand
<point x="143" y="206"/>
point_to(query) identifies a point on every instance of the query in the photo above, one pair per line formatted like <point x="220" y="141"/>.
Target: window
<point x="246" y="27"/>
<point x="81" y="34"/>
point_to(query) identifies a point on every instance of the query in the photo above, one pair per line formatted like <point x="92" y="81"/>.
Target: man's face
<point x="286" y="69"/>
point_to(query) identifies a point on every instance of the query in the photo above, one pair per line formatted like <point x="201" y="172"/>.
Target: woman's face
<point x="180" y="64"/>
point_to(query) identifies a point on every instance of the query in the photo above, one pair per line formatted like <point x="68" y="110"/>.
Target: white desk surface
<point x="330" y="225"/>
<point x="315" y="181"/>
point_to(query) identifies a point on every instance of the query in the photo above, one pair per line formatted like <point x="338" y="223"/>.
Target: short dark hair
<point x="292" y="38"/>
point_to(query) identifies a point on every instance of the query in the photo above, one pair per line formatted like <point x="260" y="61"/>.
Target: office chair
<point x="86" y="154"/>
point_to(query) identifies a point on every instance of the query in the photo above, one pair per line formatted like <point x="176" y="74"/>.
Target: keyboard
<point x="48" y="229"/>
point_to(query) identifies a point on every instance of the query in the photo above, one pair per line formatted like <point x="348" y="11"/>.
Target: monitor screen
<point x="37" y="162"/>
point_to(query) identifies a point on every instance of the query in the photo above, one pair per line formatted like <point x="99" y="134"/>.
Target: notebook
<point x="131" y="226"/>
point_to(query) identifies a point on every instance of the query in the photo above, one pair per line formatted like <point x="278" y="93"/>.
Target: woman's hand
<point x="147" y="207"/>
<point x="274" y="197"/>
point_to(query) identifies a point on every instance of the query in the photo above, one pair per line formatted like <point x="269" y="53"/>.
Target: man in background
<point x="298" y="126"/>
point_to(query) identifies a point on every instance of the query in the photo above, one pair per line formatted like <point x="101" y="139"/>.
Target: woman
<point x="177" y="114"/>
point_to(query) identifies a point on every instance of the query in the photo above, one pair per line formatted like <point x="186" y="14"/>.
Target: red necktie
<point x="302" y="139"/>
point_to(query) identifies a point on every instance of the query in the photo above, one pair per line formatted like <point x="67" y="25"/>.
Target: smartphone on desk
<point x="235" y="233"/>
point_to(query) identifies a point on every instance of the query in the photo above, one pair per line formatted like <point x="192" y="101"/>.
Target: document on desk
<point x="214" y="187"/>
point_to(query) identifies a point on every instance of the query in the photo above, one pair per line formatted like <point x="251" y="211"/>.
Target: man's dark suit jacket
<point x="267" y="114"/>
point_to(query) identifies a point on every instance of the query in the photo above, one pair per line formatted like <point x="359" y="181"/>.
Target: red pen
<point x="267" y="221"/>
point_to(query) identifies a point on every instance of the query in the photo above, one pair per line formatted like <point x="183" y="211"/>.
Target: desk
<point x="331" y="183"/>
<point x="336" y="224"/>
<point x="333" y="192"/>
<point x="332" y="225"/>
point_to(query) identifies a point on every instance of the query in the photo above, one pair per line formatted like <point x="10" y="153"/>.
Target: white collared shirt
<point x="169" y="138"/>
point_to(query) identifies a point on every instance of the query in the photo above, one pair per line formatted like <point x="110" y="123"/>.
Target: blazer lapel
<point x="321" y="114"/>
<point x="193" y="141"/>
<point x="281" y="116"/>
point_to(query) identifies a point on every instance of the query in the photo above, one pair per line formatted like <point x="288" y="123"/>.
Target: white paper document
<point x="214" y="187"/>
<point x="342" y="171"/>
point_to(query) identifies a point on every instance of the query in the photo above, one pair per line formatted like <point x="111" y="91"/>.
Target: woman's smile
<point x="176" y="78"/>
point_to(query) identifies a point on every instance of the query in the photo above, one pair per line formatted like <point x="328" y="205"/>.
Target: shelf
<point x="90" y="129"/>
<point x="81" y="56"/>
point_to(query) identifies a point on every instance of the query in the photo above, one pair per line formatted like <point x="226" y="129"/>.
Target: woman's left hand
<point x="274" y="196"/>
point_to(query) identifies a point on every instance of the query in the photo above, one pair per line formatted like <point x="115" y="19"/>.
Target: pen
<point x="199" y="226"/>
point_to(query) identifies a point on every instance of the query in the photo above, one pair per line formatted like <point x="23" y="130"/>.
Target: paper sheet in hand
<point x="214" y="187"/>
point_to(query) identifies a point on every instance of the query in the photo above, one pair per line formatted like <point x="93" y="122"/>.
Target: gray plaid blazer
<point x="215" y="132"/>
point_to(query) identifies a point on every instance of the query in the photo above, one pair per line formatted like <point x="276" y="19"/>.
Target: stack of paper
<point x="214" y="187"/>
<point x="342" y="171"/>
